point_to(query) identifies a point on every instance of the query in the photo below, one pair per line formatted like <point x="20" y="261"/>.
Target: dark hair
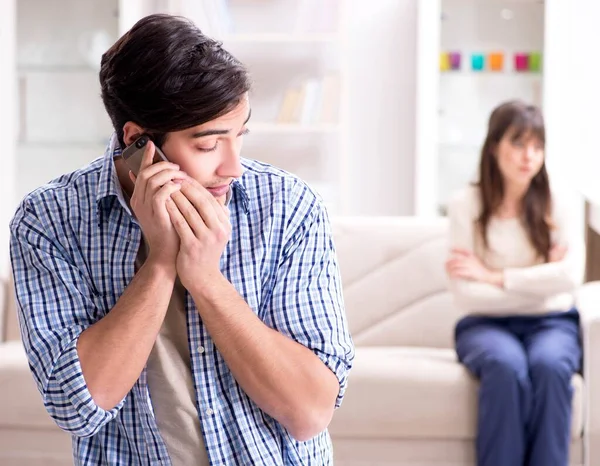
<point x="521" y="119"/>
<point x="165" y="75"/>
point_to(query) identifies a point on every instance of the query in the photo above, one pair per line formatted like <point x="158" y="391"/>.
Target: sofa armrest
<point x="588" y="304"/>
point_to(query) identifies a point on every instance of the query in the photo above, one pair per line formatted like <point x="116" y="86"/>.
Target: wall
<point x="571" y="101"/>
<point x="572" y="93"/>
<point x="382" y="105"/>
<point x="7" y="123"/>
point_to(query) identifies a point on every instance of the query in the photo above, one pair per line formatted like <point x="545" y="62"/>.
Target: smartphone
<point x="134" y="153"/>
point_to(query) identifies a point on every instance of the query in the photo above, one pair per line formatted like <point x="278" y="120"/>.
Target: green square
<point x="535" y="61"/>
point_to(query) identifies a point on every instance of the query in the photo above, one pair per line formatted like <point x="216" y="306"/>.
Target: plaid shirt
<point x="73" y="249"/>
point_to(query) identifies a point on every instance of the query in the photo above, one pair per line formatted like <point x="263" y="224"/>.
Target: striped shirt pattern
<point x="73" y="249"/>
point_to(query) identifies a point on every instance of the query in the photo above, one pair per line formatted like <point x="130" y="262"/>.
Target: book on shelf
<point x="315" y="101"/>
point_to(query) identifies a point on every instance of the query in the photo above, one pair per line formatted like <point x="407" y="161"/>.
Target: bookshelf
<point x="279" y="38"/>
<point x="259" y="127"/>
<point x="61" y="123"/>
<point x="295" y="51"/>
<point x="8" y="103"/>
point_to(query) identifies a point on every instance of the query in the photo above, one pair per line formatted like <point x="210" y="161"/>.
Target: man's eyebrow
<point x="213" y="132"/>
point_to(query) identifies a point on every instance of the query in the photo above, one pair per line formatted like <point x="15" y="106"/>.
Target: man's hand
<point x="204" y="229"/>
<point x="154" y="185"/>
<point x="557" y="253"/>
<point x="463" y="264"/>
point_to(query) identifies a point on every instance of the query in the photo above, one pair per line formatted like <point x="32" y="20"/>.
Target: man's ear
<point x="131" y="131"/>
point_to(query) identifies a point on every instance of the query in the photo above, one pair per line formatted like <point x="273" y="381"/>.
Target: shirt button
<point x="200" y="349"/>
<point x="209" y="412"/>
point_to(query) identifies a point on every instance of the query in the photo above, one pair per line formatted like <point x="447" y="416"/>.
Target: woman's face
<point x="519" y="159"/>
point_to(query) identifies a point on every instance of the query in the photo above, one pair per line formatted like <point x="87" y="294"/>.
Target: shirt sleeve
<point x="306" y="302"/>
<point x="471" y="296"/>
<point x="55" y="305"/>
<point x="555" y="277"/>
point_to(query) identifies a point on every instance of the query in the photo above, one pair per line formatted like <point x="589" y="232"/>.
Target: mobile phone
<point x="134" y="153"/>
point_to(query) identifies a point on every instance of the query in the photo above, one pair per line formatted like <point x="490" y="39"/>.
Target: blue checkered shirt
<point x="73" y="250"/>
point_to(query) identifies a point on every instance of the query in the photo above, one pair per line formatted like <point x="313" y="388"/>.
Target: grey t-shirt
<point x="171" y="384"/>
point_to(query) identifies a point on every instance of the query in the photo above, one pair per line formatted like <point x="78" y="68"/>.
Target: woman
<point x="516" y="260"/>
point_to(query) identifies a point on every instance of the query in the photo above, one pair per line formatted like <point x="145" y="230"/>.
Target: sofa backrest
<point x="9" y="322"/>
<point x="395" y="286"/>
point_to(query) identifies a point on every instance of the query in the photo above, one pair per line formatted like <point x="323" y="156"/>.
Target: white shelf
<point x="280" y="38"/>
<point x="55" y="69"/>
<point x="488" y="73"/>
<point x="292" y="128"/>
<point x="67" y="145"/>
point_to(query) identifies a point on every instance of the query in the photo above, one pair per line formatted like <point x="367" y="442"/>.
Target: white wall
<point x="572" y="99"/>
<point x="382" y="80"/>
<point x="572" y="92"/>
<point x="425" y="179"/>
<point x="7" y="123"/>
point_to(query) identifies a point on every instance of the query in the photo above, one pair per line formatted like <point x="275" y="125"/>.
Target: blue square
<point x="477" y="62"/>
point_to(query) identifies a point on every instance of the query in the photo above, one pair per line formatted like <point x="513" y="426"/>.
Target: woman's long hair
<point x="521" y="119"/>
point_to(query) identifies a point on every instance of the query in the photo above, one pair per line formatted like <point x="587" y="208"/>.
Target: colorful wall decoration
<point x="492" y="61"/>
<point x="477" y="62"/>
<point x="521" y="62"/>
<point x="444" y="61"/>
<point x="496" y="61"/>
<point x="535" y="61"/>
<point x="454" y="60"/>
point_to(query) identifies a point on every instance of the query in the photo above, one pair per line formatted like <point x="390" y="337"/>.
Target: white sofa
<point x="408" y="402"/>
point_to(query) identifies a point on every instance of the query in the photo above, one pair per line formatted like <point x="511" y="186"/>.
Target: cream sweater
<point x="530" y="286"/>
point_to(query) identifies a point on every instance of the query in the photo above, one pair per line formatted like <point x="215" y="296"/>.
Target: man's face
<point x="210" y="153"/>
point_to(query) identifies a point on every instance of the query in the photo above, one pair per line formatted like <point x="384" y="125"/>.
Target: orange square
<point x="496" y="61"/>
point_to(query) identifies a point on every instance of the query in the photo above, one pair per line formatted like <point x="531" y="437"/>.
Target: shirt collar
<point x="110" y="189"/>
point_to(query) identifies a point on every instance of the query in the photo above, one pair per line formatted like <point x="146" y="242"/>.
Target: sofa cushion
<point x="21" y="403"/>
<point x="395" y="285"/>
<point x="416" y="393"/>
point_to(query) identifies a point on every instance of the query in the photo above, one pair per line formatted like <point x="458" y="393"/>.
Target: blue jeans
<point x="525" y="365"/>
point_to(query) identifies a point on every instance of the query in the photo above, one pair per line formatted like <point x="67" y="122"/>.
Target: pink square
<point x="521" y="61"/>
<point x="455" y="60"/>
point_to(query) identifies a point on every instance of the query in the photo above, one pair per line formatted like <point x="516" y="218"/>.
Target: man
<point x="161" y="326"/>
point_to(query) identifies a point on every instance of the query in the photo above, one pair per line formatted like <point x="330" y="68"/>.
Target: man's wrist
<point x="207" y="285"/>
<point x="164" y="268"/>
